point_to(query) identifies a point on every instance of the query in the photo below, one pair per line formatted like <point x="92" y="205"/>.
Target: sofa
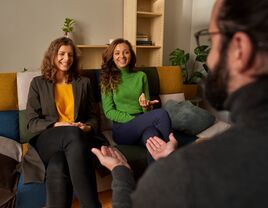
<point x="165" y="84"/>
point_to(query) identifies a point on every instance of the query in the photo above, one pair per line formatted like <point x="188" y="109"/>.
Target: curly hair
<point x="48" y="68"/>
<point x="110" y="74"/>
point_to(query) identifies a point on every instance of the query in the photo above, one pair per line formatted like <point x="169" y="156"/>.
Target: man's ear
<point x="241" y="50"/>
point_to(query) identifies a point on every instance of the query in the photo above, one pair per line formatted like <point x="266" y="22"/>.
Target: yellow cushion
<point x="24" y="148"/>
<point x="170" y="78"/>
<point x="8" y="92"/>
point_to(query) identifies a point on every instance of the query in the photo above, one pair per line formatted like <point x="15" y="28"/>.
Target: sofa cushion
<point x="25" y="134"/>
<point x="9" y="121"/>
<point x="178" y="97"/>
<point x="10" y="148"/>
<point x="170" y="79"/>
<point x="8" y="89"/>
<point x="23" y="82"/>
<point x="187" y="117"/>
<point x="30" y="195"/>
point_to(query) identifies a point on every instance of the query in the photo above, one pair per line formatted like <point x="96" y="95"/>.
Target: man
<point x="231" y="169"/>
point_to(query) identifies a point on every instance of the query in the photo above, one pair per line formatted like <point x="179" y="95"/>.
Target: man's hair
<point x="250" y="17"/>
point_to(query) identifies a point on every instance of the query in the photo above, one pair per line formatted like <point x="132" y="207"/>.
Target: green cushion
<point x="25" y="134"/>
<point x="136" y="157"/>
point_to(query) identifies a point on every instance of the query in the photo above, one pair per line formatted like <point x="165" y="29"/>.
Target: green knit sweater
<point x="120" y="104"/>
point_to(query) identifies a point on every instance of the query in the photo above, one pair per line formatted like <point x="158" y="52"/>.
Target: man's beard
<point x="216" y="84"/>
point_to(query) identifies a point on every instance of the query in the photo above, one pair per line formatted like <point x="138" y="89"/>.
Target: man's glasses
<point x="202" y="37"/>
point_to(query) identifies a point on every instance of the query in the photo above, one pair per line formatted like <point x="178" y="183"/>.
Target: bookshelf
<point x="91" y="57"/>
<point x="144" y="28"/>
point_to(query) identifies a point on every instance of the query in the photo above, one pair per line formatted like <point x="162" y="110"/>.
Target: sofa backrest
<point x="14" y="87"/>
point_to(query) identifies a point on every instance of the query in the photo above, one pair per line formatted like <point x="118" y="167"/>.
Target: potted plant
<point x="192" y="71"/>
<point x="68" y="26"/>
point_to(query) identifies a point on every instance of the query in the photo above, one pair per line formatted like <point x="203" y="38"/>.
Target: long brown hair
<point x="110" y="74"/>
<point x="48" y="68"/>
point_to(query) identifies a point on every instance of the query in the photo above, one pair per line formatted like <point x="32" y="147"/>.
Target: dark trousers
<point x="66" y="154"/>
<point x="143" y="126"/>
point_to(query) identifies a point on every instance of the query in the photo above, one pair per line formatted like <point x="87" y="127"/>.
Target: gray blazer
<point x="41" y="111"/>
<point x="41" y="114"/>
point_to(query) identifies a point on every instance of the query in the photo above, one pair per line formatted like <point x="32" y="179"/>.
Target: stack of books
<point x="143" y="39"/>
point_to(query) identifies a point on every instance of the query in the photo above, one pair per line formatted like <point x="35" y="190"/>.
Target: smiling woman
<point x="60" y="112"/>
<point x="126" y="100"/>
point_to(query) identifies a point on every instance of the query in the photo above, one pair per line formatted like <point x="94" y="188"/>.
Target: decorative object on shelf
<point x="68" y="26"/>
<point x="192" y="73"/>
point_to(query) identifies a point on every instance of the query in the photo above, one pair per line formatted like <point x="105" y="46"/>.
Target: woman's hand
<point x="159" y="148"/>
<point x="146" y="104"/>
<point x="83" y="127"/>
<point x="110" y="157"/>
<point x="63" y="123"/>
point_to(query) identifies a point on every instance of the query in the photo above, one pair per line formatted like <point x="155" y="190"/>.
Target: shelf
<point x="148" y="14"/>
<point x="148" y="47"/>
<point x="91" y="56"/>
<point x="145" y="17"/>
<point x="92" y="46"/>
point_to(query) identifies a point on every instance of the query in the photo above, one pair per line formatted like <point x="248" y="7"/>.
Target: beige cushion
<point x="23" y="82"/>
<point x="10" y="148"/>
<point x="178" y="97"/>
<point x="217" y="128"/>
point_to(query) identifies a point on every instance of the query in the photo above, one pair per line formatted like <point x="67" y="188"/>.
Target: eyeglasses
<point x="202" y="37"/>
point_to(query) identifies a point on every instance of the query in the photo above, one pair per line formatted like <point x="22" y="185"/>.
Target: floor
<point x="105" y="198"/>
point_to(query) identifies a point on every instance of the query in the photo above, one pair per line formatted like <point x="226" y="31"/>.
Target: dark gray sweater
<point x="230" y="170"/>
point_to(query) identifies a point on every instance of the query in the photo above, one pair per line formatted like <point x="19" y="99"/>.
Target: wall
<point x="29" y="26"/>
<point x="178" y="21"/>
<point x="200" y="18"/>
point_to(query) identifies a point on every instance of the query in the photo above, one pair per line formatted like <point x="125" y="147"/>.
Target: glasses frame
<point x="204" y="32"/>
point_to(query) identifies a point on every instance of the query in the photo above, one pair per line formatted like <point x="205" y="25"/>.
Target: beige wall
<point x="28" y="26"/>
<point x="200" y="17"/>
<point x="178" y="21"/>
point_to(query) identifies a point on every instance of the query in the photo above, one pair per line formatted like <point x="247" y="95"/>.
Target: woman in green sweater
<point x="126" y="100"/>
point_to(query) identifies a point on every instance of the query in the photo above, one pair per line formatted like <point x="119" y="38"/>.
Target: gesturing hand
<point x="110" y="157"/>
<point x="146" y="103"/>
<point x="159" y="148"/>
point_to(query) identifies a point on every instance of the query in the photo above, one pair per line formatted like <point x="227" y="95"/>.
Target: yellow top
<point x="64" y="100"/>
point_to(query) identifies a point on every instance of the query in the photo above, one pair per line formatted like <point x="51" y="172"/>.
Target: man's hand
<point x="146" y="103"/>
<point x="110" y="157"/>
<point x="159" y="148"/>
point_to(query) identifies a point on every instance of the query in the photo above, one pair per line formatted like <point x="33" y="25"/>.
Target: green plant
<point x="191" y="71"/>
<point x="68" y="25"/>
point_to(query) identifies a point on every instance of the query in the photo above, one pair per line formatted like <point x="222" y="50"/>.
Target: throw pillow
<point x="187" y="117"/>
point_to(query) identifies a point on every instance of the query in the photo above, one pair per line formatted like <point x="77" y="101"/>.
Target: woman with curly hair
<point x="126" y="99"/>
<point x="60" y="111"/>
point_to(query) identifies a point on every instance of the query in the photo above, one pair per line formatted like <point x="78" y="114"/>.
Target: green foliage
<point x="191" y="74"/>
<point x="68" y="25"/>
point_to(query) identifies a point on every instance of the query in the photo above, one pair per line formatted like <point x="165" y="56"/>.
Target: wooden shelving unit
<point x="140" y="17"/>
<point x="145" y="17"/>
<point x="91" y="57"/>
